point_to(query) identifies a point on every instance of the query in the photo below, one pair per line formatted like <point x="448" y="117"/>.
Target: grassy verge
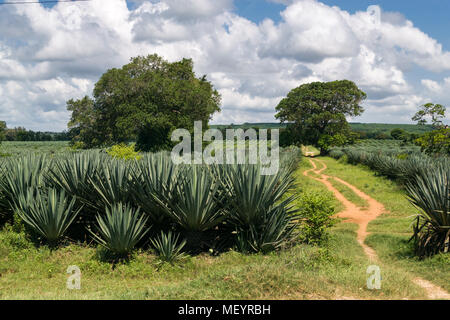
<point x="301" y="272"/>
<point x="390" y="232"/>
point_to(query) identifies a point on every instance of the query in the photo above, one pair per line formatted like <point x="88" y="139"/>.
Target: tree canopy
<point x="437" y="141"/>
<point x="144" y="100"/>
<point x="435" y="111"/>
<point x="317" y="112"/>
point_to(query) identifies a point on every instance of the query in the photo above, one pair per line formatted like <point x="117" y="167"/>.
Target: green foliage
<point x="82" y="129"/>
<point x="120" y="229"/>
<point x="73" y="173"/>
<point x="122" y="151"/>
<point x="154" y="188"/>
<point x="430" y="192"/>
<point x="48" y="214"/>
<point x="2" y="131"/>
<point x="198" y="205"/>
<point x="316" y="211"/>
<point x="168" y="246"/>
<point x="435" y="142"/>
<point x="319" y="109"/>
<point x="18" y="175"/>
<point x="207" y="204"/>
<point x="112" y="183"/>
<point x="398" y="134"/>
<point x="326" y="141"/>
<point x="145" y="100"/>
<point x="434" y="111"/>
<point x="263" y="217"/>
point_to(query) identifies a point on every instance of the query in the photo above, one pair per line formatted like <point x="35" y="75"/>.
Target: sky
<point x="253" y="51"/>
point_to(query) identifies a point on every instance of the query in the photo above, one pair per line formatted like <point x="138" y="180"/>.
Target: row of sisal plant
<point x="150" y="201"/>
<point x="427" y="185"/>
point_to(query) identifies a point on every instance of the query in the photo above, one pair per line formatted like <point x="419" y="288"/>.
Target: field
<point x="336" y="269"/>
<point x="16" y="148"/>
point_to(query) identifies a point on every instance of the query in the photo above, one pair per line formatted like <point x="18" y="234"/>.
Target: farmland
<point x="33" y="269"/>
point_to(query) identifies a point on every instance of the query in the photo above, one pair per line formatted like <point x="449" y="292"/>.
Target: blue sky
<point x="250" y="52"/>
<point x="431" y="16"/>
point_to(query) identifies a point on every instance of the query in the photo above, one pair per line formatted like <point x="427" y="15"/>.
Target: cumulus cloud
<point x="48" y="55"/>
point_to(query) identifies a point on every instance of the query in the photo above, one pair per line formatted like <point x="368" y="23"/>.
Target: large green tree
<point x="144" y="100"/>
<point x="317" y="112"/>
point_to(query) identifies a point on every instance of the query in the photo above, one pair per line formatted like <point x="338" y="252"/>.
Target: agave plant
<point x="168" y="246"/>
<point x="112" y="181"/>
<point x="154" y="179"/>
<point x="120" y="229"/>
<point x="72" y="173"/>
<point x="198" y="205"/>
<point x="431" y="195"/>
<point x="262" y="213"/>
<point x="48" y="214"/>
<point x="20" y="174"/>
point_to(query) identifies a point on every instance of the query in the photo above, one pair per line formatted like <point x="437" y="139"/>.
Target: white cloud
<point x="50" y="55"/>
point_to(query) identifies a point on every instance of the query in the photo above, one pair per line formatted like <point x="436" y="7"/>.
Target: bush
<point x="120" y="229"/>
<point x="263" y="217"/>
<point x="122" y="151"/>
<point x="48" y="214"/>
<point x="168" y="247"/>
<point x="430" y="193"/>
<point x="316" y="211"/>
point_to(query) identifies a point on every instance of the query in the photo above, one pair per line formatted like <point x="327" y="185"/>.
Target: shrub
<point x="197" y="207"/>
<point x="263" y="218"/>
<point x="431" y="194"/>
<point x="112" y="183"/>
<point x="48" y="214"/>
<point x="154" y="182"/>
<point x="122" y="151"/>
<point x="316" y="211"/>
<point x="120" y="229"/>
<point x="168" y="246"/>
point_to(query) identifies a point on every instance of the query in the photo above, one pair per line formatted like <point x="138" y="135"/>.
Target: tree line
<point x="22" y="134"/>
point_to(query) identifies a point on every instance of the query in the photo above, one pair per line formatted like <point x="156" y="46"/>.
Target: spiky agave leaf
<point x="261" y="212"/>
<point x="22" y="173"/>
<point x="431" y="194"/>
<point x="49" y="214"/>
<point x="154" y="180"/>
<point x="72" y="173"/>
<point x="198" y="203"/>
<point x="168" y="246"/>
<point x="120" y="228"/>
<point x="112" y="182"/>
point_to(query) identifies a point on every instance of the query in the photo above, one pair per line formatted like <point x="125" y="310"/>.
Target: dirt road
<point x="362" y="217"/>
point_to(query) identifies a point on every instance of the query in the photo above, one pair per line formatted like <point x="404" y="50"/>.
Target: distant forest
<point x="22" y="134"/>
<point x="365" y="130"/>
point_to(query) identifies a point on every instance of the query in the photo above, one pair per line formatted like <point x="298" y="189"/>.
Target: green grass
<point x="301" y="272"/>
